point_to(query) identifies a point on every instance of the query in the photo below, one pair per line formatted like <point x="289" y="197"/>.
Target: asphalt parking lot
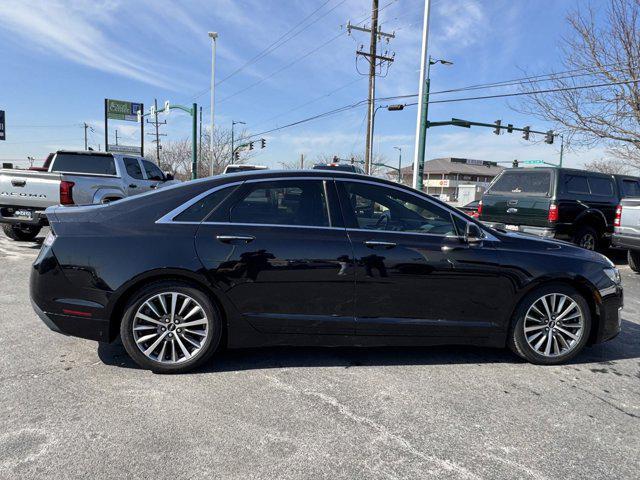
<point x="71" y="409"/>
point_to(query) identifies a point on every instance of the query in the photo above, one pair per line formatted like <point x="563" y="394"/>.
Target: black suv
<point x="562" y="203"/>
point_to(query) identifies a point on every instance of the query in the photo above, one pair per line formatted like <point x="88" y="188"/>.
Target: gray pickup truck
<point x="71" y="178"/>
<point x="626" y="232"/>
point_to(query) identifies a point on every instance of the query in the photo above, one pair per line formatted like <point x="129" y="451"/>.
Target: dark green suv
<point x="562" y="203"/>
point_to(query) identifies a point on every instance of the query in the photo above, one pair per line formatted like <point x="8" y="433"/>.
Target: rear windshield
<point x="84" y="163"/>
<point x="523" y="183"/>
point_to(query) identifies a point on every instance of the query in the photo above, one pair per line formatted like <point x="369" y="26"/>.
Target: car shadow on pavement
<point x="625" y="346"/>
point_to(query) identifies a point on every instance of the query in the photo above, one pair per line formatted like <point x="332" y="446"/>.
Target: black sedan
<point x="312" y="258"/>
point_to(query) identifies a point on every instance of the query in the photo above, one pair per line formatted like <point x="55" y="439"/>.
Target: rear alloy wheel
<point x="634" y="260"/>
<point x="552" y="325"/>
<point x="588" y="238"/>
<point x="21" y="234"/>
<point x="170" y="328"/>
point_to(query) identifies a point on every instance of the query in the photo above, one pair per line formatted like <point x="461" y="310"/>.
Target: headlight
<point x="613" y="274"/>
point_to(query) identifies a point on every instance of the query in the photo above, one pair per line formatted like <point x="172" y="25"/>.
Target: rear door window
<point x="287" y="202"/>
<point x="523" y="183"/>
<point x="577" y="184"/>
<point x="203" y="207"/>
<point x="84" y="163"/>
<point x="133" y="168"/>
<point x="601" y="186"/>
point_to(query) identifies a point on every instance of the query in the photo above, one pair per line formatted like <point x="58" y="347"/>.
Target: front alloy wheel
<point x="170" y="328"/>
<point x="551" y="325"/>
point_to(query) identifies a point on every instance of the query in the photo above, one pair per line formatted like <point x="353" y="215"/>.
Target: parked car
<point x="471" y="208"/>
<point x="71" y="178"/>
<point x="342" y="167"/>
<point x="312" y="258"/>
<point x="242" y="168"/>
<point x="627" y="230"/>
<point x="563" y="203"/>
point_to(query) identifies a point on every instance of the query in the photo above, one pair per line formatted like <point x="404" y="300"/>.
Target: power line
<point x="298" y="59"/>
<point x="449" y="100"/>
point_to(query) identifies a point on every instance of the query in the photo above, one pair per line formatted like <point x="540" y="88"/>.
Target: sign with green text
<point x="121" y="110"/>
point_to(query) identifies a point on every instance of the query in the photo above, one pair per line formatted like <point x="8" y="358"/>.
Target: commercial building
<point x="443" y="176"/>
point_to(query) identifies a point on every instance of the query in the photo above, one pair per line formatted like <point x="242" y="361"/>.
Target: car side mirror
<point x="168" y="176"/>
<point x="473" y="234"/>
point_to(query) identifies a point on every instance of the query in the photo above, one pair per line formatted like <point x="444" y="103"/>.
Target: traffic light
<point x="525" y="133"/>
<point x="548" y="138"/>
<point x="236" y="155"/>
<point x="497" y="129"/>
<point x="250" y="145"/>
<point x="167" y="107"/>
<point x="510" y="128"/>
<point x="515" y="164"/>
<point x="263" y="143"/>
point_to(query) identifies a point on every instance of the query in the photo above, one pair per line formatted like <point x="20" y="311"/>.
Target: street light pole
<point x="213" y="36"/>
<point x="399" y="163"/>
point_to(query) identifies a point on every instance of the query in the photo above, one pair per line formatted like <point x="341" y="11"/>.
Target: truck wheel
<point x="634" y="260"/>
<point x="21" y="234"/>
<point x="587" y="237"/>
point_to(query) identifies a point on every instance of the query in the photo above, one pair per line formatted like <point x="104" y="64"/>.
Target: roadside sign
<point x="533" y="162"/>
<point x="3" y="135"/>
<point x="121" y="110"/>
<point x="124" y="149"/>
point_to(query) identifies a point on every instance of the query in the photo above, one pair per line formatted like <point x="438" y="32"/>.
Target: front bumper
<point x="608" y="310"/>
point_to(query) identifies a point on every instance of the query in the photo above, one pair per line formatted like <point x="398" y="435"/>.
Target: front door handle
<point x="133" y="185"/>
<point x="235" y="238"/>
<point x="378" y="244"/>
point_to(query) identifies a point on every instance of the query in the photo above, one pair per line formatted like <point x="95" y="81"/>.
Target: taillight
<point x="66" y="192"/>
<point x="616" y="221"/>
<point x="553" y="213"/>
<point x="479" y="208"/>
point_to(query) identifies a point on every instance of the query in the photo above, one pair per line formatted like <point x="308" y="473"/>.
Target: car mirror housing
<point x="168" y="176"/>
<point x="473" y="233"/>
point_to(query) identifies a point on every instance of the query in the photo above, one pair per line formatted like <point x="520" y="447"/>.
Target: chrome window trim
<point x="168" y="217"/>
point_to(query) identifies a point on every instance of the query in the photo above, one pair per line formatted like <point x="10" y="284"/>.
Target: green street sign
<point x="533" y="162"/>
<point x="121" y="110"/>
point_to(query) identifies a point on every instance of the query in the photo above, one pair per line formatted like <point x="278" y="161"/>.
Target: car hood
<point x="558" y="247"/>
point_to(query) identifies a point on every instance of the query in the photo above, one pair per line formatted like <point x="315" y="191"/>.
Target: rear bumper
<point x="38" y="218"/>
<point x="628" y="242"/>
<point x="547" y="232"/>
<point x="51" y="298"/>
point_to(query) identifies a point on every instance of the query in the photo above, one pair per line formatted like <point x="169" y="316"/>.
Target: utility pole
<point x="85" y="136"/>
<point x="302" y="161"/>
<point x="200" y="139"/>
<point x="156" y="124"/>
<point x="375" y="61"/>
<point x="399" y="163"/>
<point x="116" y="137"/>
<point x="423" y="103"/>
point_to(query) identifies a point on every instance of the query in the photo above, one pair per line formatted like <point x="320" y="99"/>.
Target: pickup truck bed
<point x="24" y="194"/>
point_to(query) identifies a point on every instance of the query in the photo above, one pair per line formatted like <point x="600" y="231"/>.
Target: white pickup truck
<point x="626" y="232"/>
<point x="71" y="178"/>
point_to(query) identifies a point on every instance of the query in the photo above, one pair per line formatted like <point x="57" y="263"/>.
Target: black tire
<point x="21" y="234"/>
<point x="588" y="237"/>
<point x="207" y="349"/>
<point x="517" y="341"/>
<point x="634" y="260"/>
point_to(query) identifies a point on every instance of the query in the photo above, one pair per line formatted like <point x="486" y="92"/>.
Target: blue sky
<point x="62" y="58"/>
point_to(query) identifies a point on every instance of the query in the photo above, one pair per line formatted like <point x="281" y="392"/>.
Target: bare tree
<point x="596" y="53"/>
<point x="175" y="156"/>
<point x="613" y="166"/>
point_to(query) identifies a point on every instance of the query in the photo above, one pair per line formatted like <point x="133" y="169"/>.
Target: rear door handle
<point x="378" y="244"/>
<point x="133" y="185"/>
<point x="235" y="238"/>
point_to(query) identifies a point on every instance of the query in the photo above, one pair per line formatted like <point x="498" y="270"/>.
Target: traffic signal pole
<point x="423" y="104"/>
